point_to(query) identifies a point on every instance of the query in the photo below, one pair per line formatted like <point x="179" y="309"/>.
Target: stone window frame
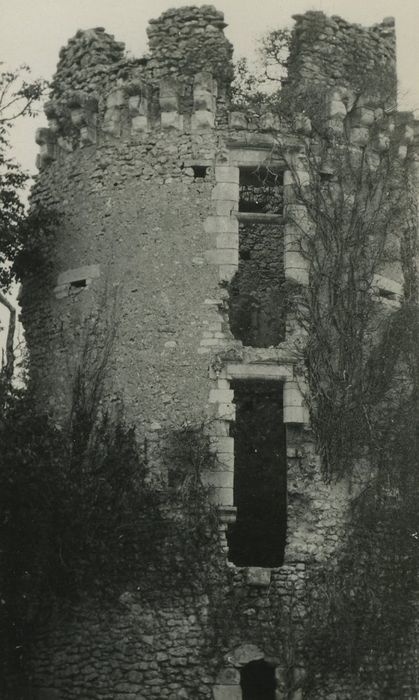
<point x="222" y="445"/>
<point x="75" y="280"/>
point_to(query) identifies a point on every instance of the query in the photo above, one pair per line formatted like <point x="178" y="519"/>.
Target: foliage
<point x="82" y="516"/>
<point x="18" y="97"/>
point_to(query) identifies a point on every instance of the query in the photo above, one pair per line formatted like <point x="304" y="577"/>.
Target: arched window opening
<point x="257" y="681"/>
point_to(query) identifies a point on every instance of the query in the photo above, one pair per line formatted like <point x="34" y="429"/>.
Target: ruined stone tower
<point x="172" y="258"/>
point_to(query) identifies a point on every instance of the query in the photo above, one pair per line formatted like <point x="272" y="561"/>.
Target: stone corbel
<point x="83" y="114"/>
<point x="114" y="105"/>
<point x="45" y="138"/>
<point x="169" y="105"/>
<point x="138" y="109"/>
<point x="204" y="101"/>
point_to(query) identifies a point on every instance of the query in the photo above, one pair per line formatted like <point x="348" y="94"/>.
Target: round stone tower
<point x="179" y="234"/>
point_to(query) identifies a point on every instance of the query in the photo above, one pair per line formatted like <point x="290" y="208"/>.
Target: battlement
<point x="183" y="85"/>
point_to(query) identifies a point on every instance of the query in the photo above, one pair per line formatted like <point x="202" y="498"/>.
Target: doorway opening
<point x="257" y="681"/>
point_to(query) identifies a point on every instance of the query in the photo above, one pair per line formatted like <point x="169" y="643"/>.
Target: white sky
<point x="33" y="31"/>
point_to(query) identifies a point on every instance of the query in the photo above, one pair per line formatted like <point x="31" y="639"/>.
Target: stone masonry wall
<point x="142" y="160"/>
<point x="331" y="51"/>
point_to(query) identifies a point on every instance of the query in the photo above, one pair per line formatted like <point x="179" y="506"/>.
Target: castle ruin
<point x="179" y="233"/>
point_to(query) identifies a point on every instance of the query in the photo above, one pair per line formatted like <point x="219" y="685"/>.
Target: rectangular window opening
<point x="386" y="294"/>
<point x="261" y="190"/>
<point x="77" y="284"/>
<point x="258" y="536"/>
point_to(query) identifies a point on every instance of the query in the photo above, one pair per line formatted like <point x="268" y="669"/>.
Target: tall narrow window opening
<point x="257" y="681"/>
<point x="257" y="538"/>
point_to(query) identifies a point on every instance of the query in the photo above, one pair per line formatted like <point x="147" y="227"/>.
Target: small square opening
<point x="200" y="172"/>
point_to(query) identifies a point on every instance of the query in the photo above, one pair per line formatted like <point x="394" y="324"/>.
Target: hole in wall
<point x="256" y="293"/>
<point x="257" y="681"/>
<point x="199" y="171"/>
<point x="257" y="538"/>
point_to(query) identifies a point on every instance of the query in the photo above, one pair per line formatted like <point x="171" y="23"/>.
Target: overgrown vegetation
<point x="81" y="514"/>
<point x="353" y="214"/>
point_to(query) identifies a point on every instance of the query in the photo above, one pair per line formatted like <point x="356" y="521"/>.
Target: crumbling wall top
<point x="86" y="62"/>
<point x="332" y="51"/>
<point x="188" y="40"/>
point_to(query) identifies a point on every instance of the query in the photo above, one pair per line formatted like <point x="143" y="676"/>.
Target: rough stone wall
<point x="331" y="51"/>
<point x="152" y="285"/>
<point x="144" y="165"/>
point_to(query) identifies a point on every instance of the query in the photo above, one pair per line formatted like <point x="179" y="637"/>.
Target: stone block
<point x="227" y="272"/>
<point x="227" y="692"/>
<point x="78" y="273"/>
<point x="302" y="125"/>
<point x="336" y="108"/>
<point x="139" y="124"/>
<point x="296" y="178"/>
<point x="204" y="100"/>
<point x="219" y="479"/>
<point x="222" y="445"/>
<point x="228" y="676"/>
<point x="112" y="122"/>
<point x="169" y="95"/>
<point x="382" y="142"/>
<point x="205" y="81"/>
<point x="77" y="116"/>
<point x="223" y="496"/>
<point x="172" y="120"/>
<point x="221" y="395"/>
<point x="225" y="190"/>
<point x="243" y="655"/>
<point x="268" y="122"/>
<point x="223" y="256"/>
<point x="88" y="135"/>
<point x="221" y="224"/>
<point x="226" y="411"/>
<point x="228" y="240"/>
<point x="295" y="410"/>
<point x="202" y="119"/>
<point x="227" y="173"/>
<point x="115" y="99"/>
<point x="224" y="207"/>
<point x="296" y="267"/>
<point x="359" y="135"/>
<point x="237" y="120"/>
<point x="362" y="116"/>
<point x="258" y="576"/>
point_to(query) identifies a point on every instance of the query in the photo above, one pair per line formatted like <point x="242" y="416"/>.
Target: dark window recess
<point x="257" y="538"/>
<point x="257" y="681"/>
<point x="76" y="284"/>
<point x="386" y="294"/>
<point x="199" y="171"/>
<point x="261" y="191"/>
<point x="257" y="300"/>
